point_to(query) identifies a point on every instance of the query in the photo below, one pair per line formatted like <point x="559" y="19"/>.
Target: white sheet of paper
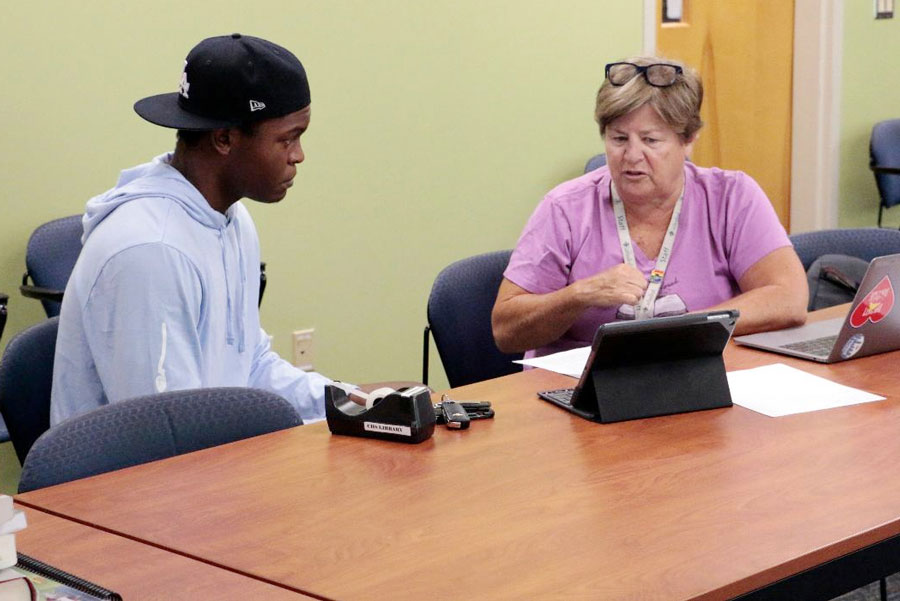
<point x="568" y="363"/>
<point x="776" y="390"/>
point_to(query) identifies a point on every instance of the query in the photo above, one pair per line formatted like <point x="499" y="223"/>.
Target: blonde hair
<point x="678" y="104"/>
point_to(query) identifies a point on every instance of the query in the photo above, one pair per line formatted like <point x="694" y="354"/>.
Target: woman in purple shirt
<point x="650" y="234"/>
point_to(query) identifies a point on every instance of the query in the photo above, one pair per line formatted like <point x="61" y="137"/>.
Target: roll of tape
<point x="377" y="395"/>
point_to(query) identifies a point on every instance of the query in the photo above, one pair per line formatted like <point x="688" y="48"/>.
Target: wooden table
<point x="134" y="570"/>
<point x="535" y="504"/>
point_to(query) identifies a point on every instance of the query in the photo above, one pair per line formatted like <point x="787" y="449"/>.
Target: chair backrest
<point x="595" y="162"/>
<point x="459" y="315"/>
<point x="26" y="377"/>
<point x="151" y="427"/>
<point x="865" y="243"/>
<point x="50" y="256"/>
<point x="836" y="260"/>
<point x="884" y="151"/>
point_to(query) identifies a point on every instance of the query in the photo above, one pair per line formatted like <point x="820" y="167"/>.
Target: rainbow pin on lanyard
<point x="644" y="308"/>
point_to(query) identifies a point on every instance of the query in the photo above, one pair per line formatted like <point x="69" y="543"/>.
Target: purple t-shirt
<point x="727" y="224"/>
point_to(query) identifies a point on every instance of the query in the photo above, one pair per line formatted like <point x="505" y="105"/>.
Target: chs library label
<point x="388" y="428"/>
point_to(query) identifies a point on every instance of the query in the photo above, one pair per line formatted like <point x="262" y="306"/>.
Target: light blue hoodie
<point x="164" y="297"/>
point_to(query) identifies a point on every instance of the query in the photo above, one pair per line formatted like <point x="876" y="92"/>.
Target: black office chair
<point x="595" y="162"/>
<point x="884" y="160"/>
<point x="50" y="257"/>
<point x="26" y="377"/>
<point x="151" y="427"/>
<point x="856" y="247"/>
<point x="459" y="317"/>
<point x="4" y="299"/>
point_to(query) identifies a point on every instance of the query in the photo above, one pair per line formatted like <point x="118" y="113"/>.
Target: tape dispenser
<point x="404" y="415"/>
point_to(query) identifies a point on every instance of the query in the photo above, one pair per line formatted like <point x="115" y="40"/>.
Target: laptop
<point x="652" y="367"/>
<point x="870" y="327"/>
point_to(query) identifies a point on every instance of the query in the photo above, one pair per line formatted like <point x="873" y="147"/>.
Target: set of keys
<point x="458" y="414"/>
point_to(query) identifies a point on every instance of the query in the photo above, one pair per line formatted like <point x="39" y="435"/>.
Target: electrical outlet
<point x="303" y="349"/>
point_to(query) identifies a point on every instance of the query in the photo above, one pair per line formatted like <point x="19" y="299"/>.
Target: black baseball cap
<point x="228" y="81"/>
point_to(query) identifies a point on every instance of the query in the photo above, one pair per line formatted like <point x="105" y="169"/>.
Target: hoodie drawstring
<point x="243" y="289"/>
<point x="234" y="316"/>
<point x="229" y="330"/>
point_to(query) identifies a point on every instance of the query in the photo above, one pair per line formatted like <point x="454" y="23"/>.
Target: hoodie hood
<point x="156" y="178"/>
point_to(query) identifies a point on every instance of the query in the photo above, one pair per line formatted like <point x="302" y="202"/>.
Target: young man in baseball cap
<point x="164" y="295"/>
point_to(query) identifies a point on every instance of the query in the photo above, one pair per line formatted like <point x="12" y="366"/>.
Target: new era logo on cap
<point x="256" y="105"/>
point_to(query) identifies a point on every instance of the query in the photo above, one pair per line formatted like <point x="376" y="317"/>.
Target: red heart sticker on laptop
<point x="875" y="306"/>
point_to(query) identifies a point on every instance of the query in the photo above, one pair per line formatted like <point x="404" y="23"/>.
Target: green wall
<point x="437" y="127"/>
<point x="870" y="92"/>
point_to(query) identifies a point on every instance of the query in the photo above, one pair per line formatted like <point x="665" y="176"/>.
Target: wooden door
<point x="743" y="50"/>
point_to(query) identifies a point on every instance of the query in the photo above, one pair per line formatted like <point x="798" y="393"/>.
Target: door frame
<point x="815" y="111"/>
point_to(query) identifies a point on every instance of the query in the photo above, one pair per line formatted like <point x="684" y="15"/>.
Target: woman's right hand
<point x="522" y="320"/>
<point x="621" y="284"/>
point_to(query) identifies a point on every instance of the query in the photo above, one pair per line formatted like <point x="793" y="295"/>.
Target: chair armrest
<point x="3" y="300"/>
<point x="425" y="353"/>
<point x="262" y="282"/>
<point x="885" y="170"/>
<point x="41" y="293"/>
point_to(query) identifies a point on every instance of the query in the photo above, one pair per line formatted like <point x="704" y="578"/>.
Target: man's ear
<point x="222" y="140"/>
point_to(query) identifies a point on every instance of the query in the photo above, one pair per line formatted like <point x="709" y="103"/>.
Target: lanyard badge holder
<point x="404" y="415"/>
<point x="646" y="305"/>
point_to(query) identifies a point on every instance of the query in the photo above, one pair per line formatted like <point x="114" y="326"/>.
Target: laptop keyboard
<point x="820" y="347"/>
<point x="562" y="396"/>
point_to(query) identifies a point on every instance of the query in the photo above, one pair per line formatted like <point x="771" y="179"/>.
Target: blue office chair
<point x="849" y="249"/>
<point x="884" y="160"/>
<point x="865" y="243"/>
<point x="26" y="377"/>
<point x="595" y="162"/>
<point x="50" y="256"/>
<point x="151" y="427"/>
<point x="459" y="317"/>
